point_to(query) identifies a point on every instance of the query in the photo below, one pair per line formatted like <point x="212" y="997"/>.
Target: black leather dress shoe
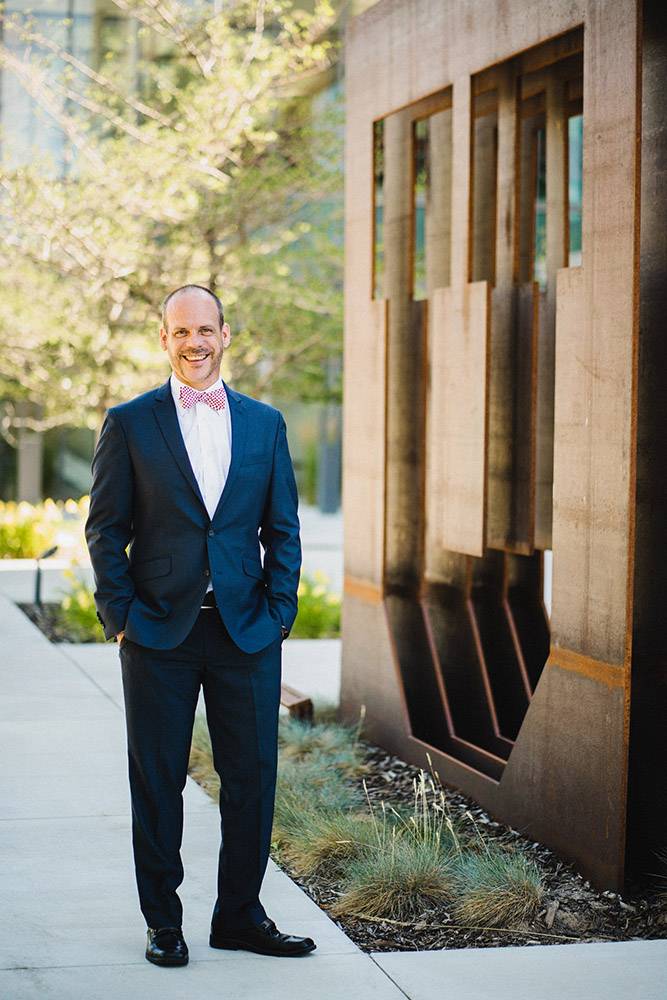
<point x="264" y="938"/>
<point x="166" y="946"/>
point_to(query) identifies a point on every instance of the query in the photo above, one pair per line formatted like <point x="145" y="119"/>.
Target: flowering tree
<point x="208" y="166"/>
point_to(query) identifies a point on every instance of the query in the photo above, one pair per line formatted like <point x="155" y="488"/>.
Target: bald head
<point x="191" y="290"/>
<point x="194" y="334"/>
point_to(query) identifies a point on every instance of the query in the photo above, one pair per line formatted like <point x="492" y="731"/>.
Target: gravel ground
<point x="573" y="910"/>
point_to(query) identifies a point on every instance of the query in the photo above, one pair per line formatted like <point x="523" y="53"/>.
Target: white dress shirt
<point x="207" y="434"/>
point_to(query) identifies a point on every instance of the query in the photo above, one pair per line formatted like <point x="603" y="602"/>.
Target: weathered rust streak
<point x="609" y="674"/>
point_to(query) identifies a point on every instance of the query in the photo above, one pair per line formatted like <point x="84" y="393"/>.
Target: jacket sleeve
<point x="108" y="527"/>
<point x="279" y="533"/>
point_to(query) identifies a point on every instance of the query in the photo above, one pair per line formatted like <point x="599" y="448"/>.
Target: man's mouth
<point x="193" y="360"/>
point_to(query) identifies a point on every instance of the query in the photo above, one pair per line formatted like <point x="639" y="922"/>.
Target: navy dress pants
<point x="242" y="698"/>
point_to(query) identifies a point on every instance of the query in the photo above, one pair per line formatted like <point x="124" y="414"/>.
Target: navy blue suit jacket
<point x="144" y="494"/>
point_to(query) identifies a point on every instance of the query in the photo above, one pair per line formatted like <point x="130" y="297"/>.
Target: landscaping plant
<point x="319" y="609"/>
<point x="77" y="614"/>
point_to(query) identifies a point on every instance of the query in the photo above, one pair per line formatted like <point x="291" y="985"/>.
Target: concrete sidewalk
<point x="70" y="925"/>
<point x="599" y="970"/>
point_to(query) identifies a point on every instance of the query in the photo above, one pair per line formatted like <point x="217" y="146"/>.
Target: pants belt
<point x="209" y="600"/>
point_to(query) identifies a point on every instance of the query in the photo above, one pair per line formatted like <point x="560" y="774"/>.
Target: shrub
<point x="26" y="529"/>
<point x="77" y="613"/>
<point x="319" y="609"/>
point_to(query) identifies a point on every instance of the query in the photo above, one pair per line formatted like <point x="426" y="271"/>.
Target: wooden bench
<point x="297" y="704"/>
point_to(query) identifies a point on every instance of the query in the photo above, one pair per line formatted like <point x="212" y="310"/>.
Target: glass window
<point x="378" y="195"/>
<point x="575" y="138"/>
<point x="420" y="136"/>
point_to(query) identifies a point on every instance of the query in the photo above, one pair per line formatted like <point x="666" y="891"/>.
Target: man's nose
<point x="195" y="339"/>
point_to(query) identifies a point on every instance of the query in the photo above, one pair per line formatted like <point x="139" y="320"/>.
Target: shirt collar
<point x="176" y="384"/>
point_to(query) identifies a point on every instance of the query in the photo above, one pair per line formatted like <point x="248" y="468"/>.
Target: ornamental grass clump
<point x="408" y="868"/>
<point x="429" y="822"/>
<point x="300" y="740"/>
<point x="318" y="825"/>
<point x="495" y="888"/>
<point x="396" y="880"/>
<point x="326" y="843"/>
<point x="306" y="789"/>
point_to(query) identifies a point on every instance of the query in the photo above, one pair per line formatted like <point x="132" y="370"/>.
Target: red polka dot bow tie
<point x="216" y="399"/>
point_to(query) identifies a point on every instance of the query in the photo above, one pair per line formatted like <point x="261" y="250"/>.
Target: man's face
<point x="193" y="338"/>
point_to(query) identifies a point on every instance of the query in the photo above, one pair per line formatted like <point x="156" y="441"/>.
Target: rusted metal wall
<point x="492" y="418"/>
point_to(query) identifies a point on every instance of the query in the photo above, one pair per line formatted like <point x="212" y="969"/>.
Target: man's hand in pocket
<point x="119" y="637"/>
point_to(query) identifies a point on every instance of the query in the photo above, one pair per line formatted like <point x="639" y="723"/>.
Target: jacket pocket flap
<point x="253" y="567"/>
<point x="148" y="569"/>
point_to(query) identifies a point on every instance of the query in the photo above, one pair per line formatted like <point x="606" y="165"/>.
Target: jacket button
<point x="211" y="532"/>
<point x="206" y="572"/>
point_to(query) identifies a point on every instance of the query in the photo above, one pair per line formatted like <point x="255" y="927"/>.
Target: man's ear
<point x="163" y="338"/>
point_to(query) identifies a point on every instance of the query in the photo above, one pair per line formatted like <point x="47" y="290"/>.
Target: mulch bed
<point x="46" y="618"/>
<point x="573" y="910"/>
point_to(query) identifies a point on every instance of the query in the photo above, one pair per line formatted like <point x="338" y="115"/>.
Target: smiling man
<point x="193" y="476"/>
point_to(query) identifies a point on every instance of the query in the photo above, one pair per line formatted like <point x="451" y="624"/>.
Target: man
<point x="193" y="476"/>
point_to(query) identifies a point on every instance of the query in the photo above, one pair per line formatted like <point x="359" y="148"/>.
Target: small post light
<point x="38" y="575"/>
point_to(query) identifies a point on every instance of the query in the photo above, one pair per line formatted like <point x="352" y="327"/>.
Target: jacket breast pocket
<point x="253" y="567"/>
<point x="149" y="569"/>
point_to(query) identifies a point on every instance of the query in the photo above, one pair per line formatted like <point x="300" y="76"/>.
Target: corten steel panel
<point x="556" y="179"/>
<point x="458" y="350"/>
<point x="563" y="776"/>
<point x="363" y="447"/>
<point x="564" y="781"/>
<point x="512" y="409"/>
<point x="592" y="510"/>
<point x="404" y="431"/>
<point x="509" y="490"/>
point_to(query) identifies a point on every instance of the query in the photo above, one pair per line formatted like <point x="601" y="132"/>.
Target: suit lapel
<point x="239" y="416"/>
<point x="167" y="418"/>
